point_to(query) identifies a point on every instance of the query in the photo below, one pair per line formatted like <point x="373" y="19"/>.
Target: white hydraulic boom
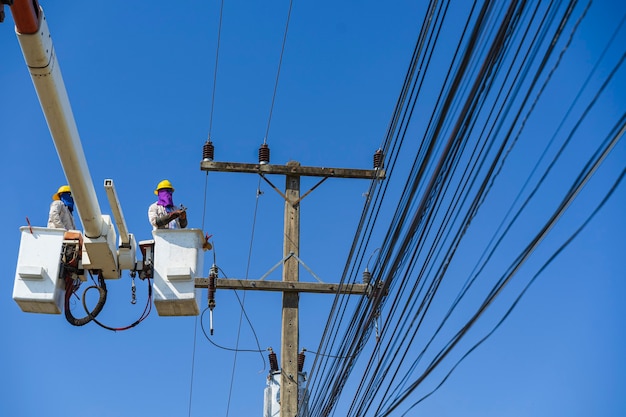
<point x="50" y="261"/>
<point x="100" y="246"/>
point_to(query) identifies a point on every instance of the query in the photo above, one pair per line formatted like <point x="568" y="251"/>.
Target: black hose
<point x="146" y="312"/>
<point x="69" y="290"/>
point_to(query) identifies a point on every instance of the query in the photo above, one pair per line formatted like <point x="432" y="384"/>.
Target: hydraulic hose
<point x="69" y="290"/>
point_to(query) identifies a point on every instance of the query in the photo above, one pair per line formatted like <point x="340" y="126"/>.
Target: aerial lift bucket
<point x="37" y="287"/>
<point x="178" y="261"/>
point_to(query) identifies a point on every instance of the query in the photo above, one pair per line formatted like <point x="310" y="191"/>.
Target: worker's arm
<point x="160" y="220"/>
<point x="164" y="220"/>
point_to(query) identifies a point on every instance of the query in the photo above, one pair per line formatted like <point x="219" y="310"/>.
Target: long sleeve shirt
<point x="156" y="211"/>
<point x="60" y="216"/>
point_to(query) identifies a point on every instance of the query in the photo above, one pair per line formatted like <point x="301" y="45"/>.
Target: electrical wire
<point x="429" y="233"/>
<point x="525" y="289"/>
<point x="280" y="63"/>
<point x="576" y="188"/>
<point x="256" y="338"/>
<point x="217" y="56"/>
<point x="231" y="349"/>
<point x="423" y="351"/>
<point x="213" y="89"/>
<point x="242" y="302"/>
<point x="145" y="313"/>
<point x="373" y="202"/>
<point x="448" y="149"/>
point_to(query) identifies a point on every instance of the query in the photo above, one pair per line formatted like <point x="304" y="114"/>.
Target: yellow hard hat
<point x="62" y="189"/>
<point x="163" y="184"/>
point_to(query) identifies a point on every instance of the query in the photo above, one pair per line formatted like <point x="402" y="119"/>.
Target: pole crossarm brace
<point x="282" y="286"/>
<point x="293" y="203"/>
<point x="282" y="261"/>
<point x="302" y="171"/>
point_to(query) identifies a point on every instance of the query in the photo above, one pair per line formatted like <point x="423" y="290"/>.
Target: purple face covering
<point x="165" y="197"/>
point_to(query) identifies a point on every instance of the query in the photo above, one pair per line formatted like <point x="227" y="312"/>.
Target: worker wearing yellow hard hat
<point x="162" y="214"/>
<point x="61" y="214"/>
<point x="165" y="184"/>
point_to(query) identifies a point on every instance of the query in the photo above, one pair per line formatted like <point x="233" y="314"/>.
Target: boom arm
<point x="36" y="43"/>
<point x="44" y="261"/>
<point x="32" y="31"/>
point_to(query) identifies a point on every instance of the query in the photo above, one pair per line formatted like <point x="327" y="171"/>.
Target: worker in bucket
<point x="61" y="215"/>
<point x="162" y="213"/>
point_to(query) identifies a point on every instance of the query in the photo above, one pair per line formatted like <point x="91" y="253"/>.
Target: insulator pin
<point x="208" y="151"/>
<point x="212" y="286"/>
<point x="264" y="154"/>
<point x="378" y="159"/>
<point x="367" y="276"/>
<point x="273" y="361"/>
<point x="211" y="292"/>
<point x="301" y="357"/>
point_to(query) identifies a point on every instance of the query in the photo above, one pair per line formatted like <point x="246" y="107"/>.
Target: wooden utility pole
<point x="291" y="287"/>
<point x="290" y="334"/>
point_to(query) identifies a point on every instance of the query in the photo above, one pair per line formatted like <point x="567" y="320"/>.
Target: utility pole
<point x="290" y="286"/>
<point x="290" y="334"/>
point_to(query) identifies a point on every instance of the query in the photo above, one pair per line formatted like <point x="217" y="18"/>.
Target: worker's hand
<point x="183" y="214"/>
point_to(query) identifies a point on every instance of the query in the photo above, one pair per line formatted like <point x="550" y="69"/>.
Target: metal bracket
<point x="282" y="261"/>
<point x="293" y="203"/>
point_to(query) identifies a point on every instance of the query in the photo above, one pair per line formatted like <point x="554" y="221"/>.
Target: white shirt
<point x="60" y="216"/>
<point x="155" y="211"/>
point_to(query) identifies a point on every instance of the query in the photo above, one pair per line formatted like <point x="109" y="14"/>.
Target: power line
<point x="217" y="55"/>
<point x="425" y="232"/>
<point x="242" y="302"/>
<point x="280" y="62"/>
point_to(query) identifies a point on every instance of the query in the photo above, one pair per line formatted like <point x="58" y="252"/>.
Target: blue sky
<point x="140" y="79"/>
